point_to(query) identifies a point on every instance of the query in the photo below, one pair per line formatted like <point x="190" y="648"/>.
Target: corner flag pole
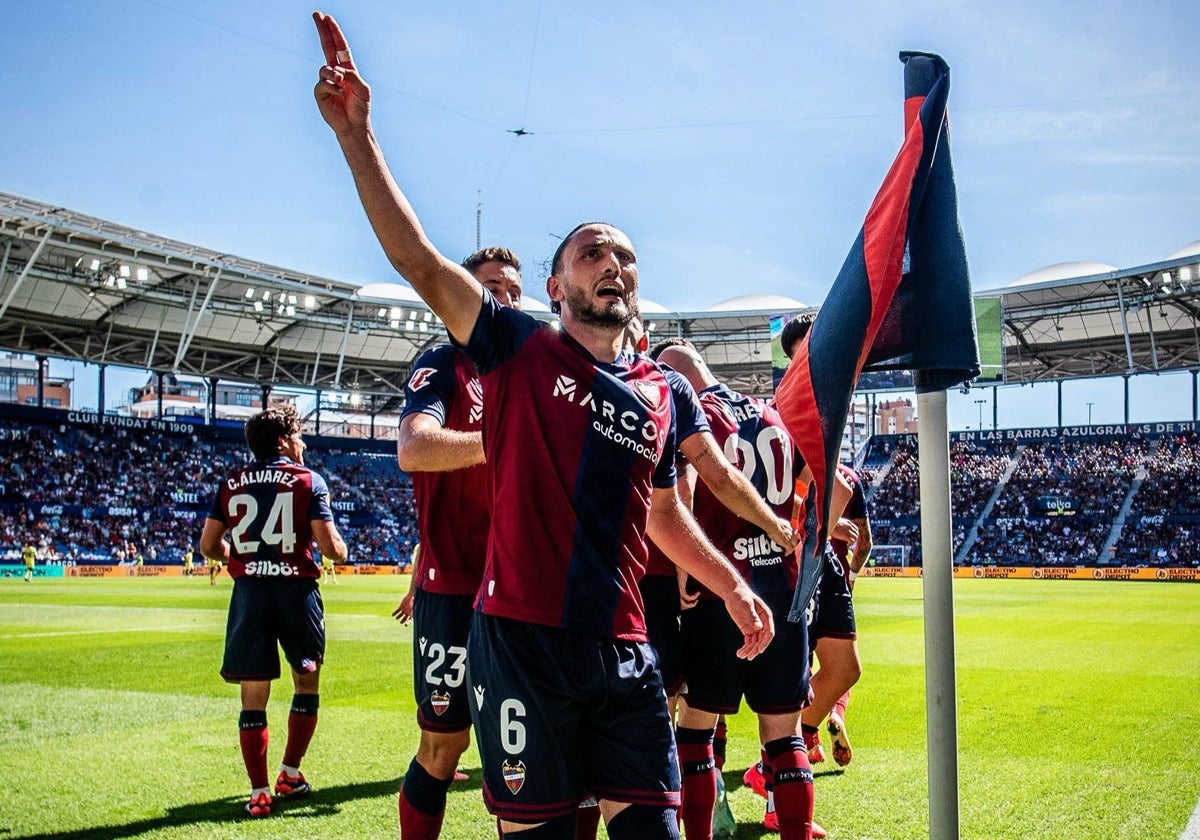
<point x="941" y="698"/>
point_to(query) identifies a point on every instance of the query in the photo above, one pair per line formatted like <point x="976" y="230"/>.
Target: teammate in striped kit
<point x="273" y="509"/>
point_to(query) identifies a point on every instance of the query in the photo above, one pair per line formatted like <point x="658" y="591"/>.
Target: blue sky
<point x="738" y="144"/>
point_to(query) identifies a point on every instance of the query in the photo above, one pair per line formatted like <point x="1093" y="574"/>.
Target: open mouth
<point x="610" y="291"/>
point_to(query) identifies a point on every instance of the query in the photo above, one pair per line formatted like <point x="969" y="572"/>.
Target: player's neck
<point x="603" y="342"/>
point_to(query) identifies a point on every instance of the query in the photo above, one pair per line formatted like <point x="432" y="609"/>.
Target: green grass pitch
<point x="1078" y="703"/>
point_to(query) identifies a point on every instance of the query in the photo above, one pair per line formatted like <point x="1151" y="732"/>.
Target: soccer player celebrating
<point x="273" y="509"/>
<point x="833" y="632"/>
<point x="775" y="685"/>
<point x="564" y="689"/>
<point x="441" y="446"/>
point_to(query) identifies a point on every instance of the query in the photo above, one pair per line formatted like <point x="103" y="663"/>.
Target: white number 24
<point x="279" y="528"/>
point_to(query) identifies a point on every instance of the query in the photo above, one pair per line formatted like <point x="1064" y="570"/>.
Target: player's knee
<point x="559" y="828"/>
<point x="440" y="751"/>
<point x="644" y="822"/>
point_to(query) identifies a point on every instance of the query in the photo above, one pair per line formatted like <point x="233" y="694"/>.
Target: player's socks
<point x="719" y="741"/>
<point x="839" y="708"/>
<point x="422" y="804"/>
<point x="812" y="743"/>
<point x="252" y="732"/>
<point x="302" y="722"/>
<point x="699" y="781"/>
<point x="587" y="823"/>
<point x="793" y="787"/>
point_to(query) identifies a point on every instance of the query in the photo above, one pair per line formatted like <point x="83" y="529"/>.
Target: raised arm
<point x="425" y="445"/>
<point x="673" y="529"/>
<point x="344" y="100"/>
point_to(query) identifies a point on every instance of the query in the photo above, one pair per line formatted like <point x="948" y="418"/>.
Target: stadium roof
<point x="76" y="287"/>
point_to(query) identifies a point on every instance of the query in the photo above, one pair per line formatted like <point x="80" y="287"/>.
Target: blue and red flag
<point x="902" y="300"/>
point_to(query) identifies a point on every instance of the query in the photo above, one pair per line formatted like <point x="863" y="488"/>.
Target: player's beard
<point x="585" y="311"/>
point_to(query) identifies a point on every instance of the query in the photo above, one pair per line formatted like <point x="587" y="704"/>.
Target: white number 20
<point x="775" y="451"/>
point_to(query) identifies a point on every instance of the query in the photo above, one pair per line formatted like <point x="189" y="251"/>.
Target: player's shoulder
<point x="441" y="357"/>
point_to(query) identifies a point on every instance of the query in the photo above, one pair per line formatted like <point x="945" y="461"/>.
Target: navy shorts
<point x="266" y="614"/>
<point x="832" y="607"/>
<point x="660" y="596"/>
<point x="774" y="682"/>
<point x="440" y="627"/>
<point x="560" y="715"/>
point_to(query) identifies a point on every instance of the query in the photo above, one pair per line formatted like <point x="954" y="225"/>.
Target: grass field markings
<point x="1192" y="830"/>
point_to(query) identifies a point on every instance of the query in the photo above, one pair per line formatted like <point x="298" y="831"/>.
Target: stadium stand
<point x="108" y="494"/>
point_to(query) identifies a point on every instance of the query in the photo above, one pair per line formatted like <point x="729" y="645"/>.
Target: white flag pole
<point x="941" y="698"/>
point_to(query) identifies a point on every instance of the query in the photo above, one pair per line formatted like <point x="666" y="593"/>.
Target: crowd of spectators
<point x="112" y="495"/>
<point x="1163" y="528"/>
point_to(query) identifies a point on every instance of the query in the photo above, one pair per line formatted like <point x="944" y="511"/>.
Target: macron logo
<point x="564" y="386"/>
<point x="422" y="644"/>
<point x="479" y="697"/>
<point x="475" y="414"/>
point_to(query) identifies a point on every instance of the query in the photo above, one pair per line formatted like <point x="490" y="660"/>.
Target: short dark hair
<point x="492" y="253"/>
<point x="673" y="341"/>
<point x="794" y="332"/>
<point x="264" y="430"/>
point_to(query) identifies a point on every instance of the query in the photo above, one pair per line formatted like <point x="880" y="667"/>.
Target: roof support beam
<point x="190" y="326"/>
<point x="25" y="272"/>
<point x="337" y="377"/>
<point x="1125" y="325"/>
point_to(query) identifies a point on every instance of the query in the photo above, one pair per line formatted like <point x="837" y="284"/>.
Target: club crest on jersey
<point x="514" y="776"/>
<point x="649" y="393"/>
<point x="440" y="702"/>
<point x="420" y="378"/>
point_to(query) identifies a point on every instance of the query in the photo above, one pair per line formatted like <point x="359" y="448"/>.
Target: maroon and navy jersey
<point x="689" y="420"/>
<point x="574" y="447"/>
<point x="753" y="438"/>
<point x="269" y="508"/>
<point x="452" y="507"/>
<point x="856" y="509"/>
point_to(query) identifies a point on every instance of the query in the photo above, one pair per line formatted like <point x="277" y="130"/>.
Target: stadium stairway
<point x="973" y="534"/>
<point x="1114" y="535"/>
<point x="878" y="480"/>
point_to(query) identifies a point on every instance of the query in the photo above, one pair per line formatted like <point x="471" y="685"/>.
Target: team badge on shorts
<point x="440" y="703"/>
<point x="514" y="776"/>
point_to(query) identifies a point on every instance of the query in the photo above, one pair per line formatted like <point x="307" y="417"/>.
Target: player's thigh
<point x="441" y="624"/>
<point x="250" y="647"/>
<point x="833" y="616"/>
<point x="711" y="668"/>
<point x="527" y="715"/>
<point x="777" y="679"/>
<point x="300" y="620"/>
<point x="628" y="742"/>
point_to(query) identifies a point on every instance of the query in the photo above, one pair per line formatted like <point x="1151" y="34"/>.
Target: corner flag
<point x="902" y="300"/>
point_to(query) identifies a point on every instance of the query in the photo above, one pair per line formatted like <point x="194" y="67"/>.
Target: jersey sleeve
<point x="497" y="335"/>
<point x="689" y="417"/>
<point x="431" y="384"/>
<point x="318" y="507"/>
<point x="217" y="509"/>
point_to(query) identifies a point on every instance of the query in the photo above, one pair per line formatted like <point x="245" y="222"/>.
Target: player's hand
<point x="846" y="531"/>
<point x="753" y="617"/>
<point x="784" y="535"/>
<point x="343" y="98"/>
<point x="403" y="613"/>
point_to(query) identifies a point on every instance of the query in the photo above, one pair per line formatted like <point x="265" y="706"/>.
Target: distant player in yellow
<point x="214" y="569"/>
<point x="189" y="565"/>
<point x="29" y="555"/>
<point x="327" y="569"/>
